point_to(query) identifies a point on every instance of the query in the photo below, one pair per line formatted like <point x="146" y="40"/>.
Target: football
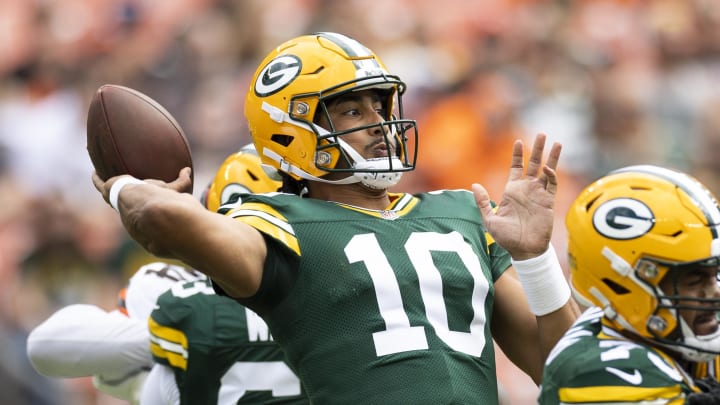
<point x="130" y="133"/>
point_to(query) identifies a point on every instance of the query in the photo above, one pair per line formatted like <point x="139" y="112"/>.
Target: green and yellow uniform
<point x="220" y="352"/>
<point x="594" y="364"/>
<point x="380" y="307"/>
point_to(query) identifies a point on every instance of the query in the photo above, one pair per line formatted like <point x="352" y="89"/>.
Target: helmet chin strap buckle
<point x="376" y="172"/>
<point x="378" y="181"/>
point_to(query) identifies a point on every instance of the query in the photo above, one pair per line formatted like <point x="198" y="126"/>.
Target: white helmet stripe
<point x="352" y="47"/>
<point x="365" y="64"/>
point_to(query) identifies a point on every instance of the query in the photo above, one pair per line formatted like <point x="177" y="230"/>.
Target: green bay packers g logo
<point x="623" y="218"/>
<point x="280" y="72"/>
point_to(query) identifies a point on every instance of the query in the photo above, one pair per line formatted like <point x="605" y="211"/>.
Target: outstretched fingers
<point x="551" y="182"/>
<point x="536" y="155"/>
<point x="554" y="156"/>
<point x="549" y="171"/>
<point x="516" y="164"/>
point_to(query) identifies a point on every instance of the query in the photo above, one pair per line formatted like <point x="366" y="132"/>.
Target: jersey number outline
<point x="244" y="376"/>
<point x="398" y="335"/>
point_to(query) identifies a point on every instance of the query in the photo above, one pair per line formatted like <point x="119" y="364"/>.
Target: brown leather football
<point x="130" y="133"/>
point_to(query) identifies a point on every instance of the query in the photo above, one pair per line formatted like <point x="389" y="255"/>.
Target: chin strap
<point x="698" y="348"/>
<point x="380" y="177"/>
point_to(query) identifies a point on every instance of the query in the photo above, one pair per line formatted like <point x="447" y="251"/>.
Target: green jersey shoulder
<point x="214" y="345"/>
<point x="594" y="364"/>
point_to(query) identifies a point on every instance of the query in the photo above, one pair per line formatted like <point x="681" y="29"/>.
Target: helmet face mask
<point x="678" y="294"/>
<point x="290" y="95"/>
<point x="395" y="133"/>
<point x="635" y="237"/>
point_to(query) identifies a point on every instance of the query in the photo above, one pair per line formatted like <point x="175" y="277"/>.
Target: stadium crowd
<point x="618" y="82"/>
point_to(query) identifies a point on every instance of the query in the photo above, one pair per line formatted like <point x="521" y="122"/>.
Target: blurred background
<point x="618" y="82"/>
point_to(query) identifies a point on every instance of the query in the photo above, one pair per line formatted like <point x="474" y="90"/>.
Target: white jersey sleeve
<point x="128" y="389"/>
<point x="160" y="387"/>
<point x="84" y="340"/>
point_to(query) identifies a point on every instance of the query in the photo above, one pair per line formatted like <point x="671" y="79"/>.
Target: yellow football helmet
<point x="242" y="172"/>
<point x="290" y="90"/>
<point x="626" y="231"/>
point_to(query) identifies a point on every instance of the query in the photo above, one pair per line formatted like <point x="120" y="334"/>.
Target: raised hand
<point x="523" y="220"/>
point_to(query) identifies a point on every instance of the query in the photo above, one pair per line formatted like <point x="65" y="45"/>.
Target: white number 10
<point x="398" y="335"/>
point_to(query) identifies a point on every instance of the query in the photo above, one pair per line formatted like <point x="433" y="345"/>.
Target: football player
<point x="115" y="347"/>
<point x="644" y="249"/>
<point x="375" y="297"/>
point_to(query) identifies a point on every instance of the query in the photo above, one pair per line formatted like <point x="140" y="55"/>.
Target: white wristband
<point x="544" y="282"/>
<point x="117" y="186"/>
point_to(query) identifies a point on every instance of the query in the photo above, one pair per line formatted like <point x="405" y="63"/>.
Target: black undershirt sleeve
<point x="278" y="278"/>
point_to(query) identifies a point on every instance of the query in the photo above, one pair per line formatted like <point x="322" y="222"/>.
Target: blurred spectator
<point x="468" y="134"/>
<point x="616" y="81"/>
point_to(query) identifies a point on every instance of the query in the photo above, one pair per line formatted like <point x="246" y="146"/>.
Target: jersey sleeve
<point x="84" y="340"/>
<point x="283" y="253"/>
<point x="267" y="220"/>
<point x="168" y="342"/>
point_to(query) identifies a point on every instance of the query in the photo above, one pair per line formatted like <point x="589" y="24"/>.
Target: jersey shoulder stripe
<point x="168" y="344"/>
<point x="614" y="394"/>
<point x="267" y="220"/>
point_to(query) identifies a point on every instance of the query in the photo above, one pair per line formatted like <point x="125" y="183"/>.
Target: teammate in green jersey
<point x="644" y="247"/>
<point x="375" y="297"/>
<point x="214" y="353"/>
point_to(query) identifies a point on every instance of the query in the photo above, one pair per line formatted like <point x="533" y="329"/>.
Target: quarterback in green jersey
<point x="644" y="246"/>
<point x="375" y="297"/>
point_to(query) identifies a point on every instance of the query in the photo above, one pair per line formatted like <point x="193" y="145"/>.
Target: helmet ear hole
<point x="615" y="287"/>
<point x="282" y="139"/>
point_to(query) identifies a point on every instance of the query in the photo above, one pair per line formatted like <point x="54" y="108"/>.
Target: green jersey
<point x="380" y="307"/>
<point x="220" y="352"/>
<point x="594" y="364"/>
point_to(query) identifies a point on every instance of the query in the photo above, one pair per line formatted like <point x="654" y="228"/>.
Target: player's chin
<point x="705" y="324"/>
